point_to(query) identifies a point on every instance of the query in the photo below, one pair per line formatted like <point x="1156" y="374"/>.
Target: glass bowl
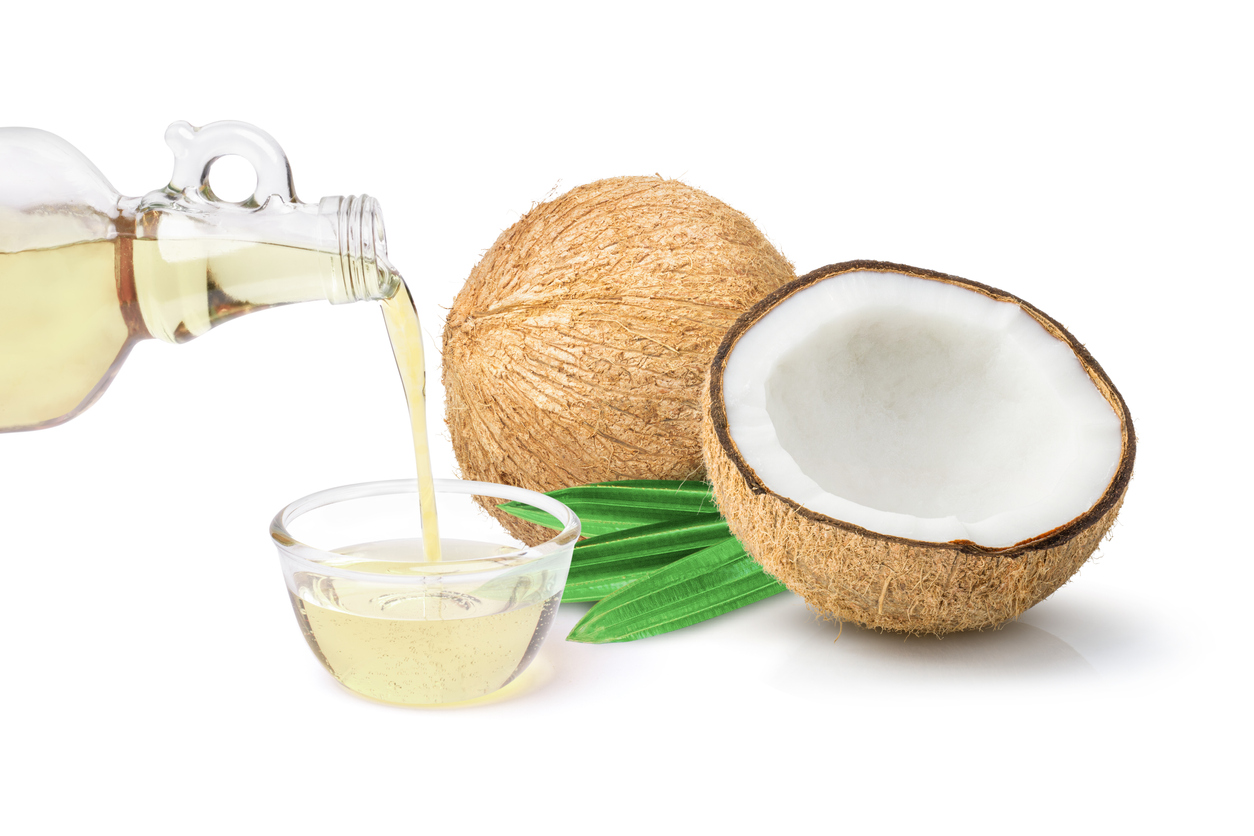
<point x="390" y="625"/>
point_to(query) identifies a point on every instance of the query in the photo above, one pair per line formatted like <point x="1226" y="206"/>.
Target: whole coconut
<point x="576" y="350"/>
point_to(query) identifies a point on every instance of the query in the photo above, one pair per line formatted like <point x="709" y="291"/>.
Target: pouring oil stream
<point x="401" y="318"/>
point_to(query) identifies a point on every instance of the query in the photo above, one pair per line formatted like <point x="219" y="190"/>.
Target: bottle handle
<point x="196" y="149"/>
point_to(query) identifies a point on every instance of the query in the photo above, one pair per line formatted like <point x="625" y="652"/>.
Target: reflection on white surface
<point x="1079" y="642"/>
<point x="1015" y="653"/>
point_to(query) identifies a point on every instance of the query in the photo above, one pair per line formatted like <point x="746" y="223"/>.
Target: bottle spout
<point x="363" y="271"/>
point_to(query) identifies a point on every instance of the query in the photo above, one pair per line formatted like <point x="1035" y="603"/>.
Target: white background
<point x="1093" y="158"/>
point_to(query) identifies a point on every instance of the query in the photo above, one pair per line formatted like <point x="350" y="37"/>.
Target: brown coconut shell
<point x="848" y="573"/>
<point x="576" y="350"/>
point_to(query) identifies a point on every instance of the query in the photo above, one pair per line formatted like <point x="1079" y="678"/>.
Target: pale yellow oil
<point x="69" y="315"/>
<point x="62" y="331"/>
<point x="421" y="644"/>
<point x="184" y="288"/>
<point x="405" y="333"/>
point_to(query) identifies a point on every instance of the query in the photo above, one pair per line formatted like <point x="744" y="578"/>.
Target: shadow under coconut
<point x="1016" y="653"/>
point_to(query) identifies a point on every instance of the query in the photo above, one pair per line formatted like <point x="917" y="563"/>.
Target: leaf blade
<point x="695" y="588"/>
<point x="596" y="589"/>
<point x="694" y="531"/>
<point x="603" y="565"/>
<point x="607" y="507"/>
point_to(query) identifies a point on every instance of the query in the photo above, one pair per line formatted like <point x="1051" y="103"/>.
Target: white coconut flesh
<point x="919" y="409"/>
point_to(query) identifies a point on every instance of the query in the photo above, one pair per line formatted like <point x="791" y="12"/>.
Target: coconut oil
<point x="69" y="315"/>
<point x="422" y="644"/>
<point x="405" y="333"/>
<point x="62" y="331"/>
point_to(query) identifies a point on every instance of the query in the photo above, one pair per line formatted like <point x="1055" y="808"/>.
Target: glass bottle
<point x="86" y="273"/>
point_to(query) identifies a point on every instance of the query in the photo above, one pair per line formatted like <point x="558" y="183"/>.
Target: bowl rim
<point x="323" y="562"/>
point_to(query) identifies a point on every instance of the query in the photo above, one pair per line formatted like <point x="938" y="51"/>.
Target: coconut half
<point x="910" y="450"/>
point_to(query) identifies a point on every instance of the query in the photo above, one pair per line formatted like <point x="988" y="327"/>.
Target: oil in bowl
<point x="421" y="646"/>
<point x="390" y="624"/>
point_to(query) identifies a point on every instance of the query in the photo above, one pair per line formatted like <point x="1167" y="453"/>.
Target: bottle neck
<point x="362" y="271"/>
<point x="198" y="265"/>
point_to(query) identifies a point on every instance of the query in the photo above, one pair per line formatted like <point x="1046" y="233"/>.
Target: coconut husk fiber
<point x="576" y="350"/>
<point x="848" y="573"/>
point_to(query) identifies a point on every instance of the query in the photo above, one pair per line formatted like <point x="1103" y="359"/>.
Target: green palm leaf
<point x="602" y="565"/>
<point x="607" y="507"/>
<point x="700" y="586"/>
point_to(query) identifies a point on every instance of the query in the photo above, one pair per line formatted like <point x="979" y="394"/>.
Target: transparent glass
<point x="85" y="273"/>
<point x="393" y="627"/>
